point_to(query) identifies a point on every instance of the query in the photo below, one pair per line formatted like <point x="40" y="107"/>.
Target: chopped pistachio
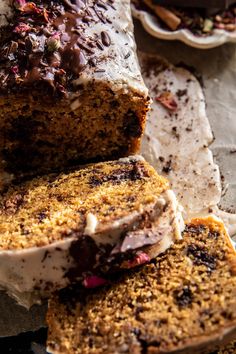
<point x="54" y="43"/>
<point x="208" y="25"/>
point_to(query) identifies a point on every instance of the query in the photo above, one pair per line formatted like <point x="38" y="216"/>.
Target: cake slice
<point x="70" y="85"/>
<point x="81" y="225"/>
<point x="184" y="301"/>
<point x="228" y="349"/>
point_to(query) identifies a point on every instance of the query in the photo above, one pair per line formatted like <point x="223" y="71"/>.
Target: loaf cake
<point x="184" y="301"/>
<point x="70" y="85"/>
<point x="78" y="226"/>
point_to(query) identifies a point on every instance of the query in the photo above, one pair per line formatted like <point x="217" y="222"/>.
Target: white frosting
<point x="131" y="158"/>
<point x="177" y="210"/>
<point x="22" y="270"/>
<point x="194" y="176"/>
<point x="91" y="224"/>
<point x="229" y="221"/>
<point x="110" y="234"/>
<point x="164" y="244"/>
<point x="25" y="273"/>
<point x="6" y="12"/>
<point x="118" y="64"/>
<point x="171" y="219"/>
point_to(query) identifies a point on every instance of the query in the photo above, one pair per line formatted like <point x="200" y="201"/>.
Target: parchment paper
<point x="217" y="67"/>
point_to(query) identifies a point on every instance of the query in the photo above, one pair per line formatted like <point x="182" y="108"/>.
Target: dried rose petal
<point x="19" y="3"/>
<point x="139" y="259"/>
<point x="15" y="69"/>
<point x="22" y="27"/>
<point x="30" y="7"/>
<point x="93" y="281"/>
<point x="61" y="72"/>
<point x="62" y="90"/>
<point x="219" y="25"/>
<point x="168" y="101"/>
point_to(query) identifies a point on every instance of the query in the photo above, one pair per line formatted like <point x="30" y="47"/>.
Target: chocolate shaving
<point x="106" y="40"/>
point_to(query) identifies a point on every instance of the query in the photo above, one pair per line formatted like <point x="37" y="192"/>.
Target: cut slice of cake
<point x="81" y="225"/>
<point x="70" y="85"/>
<point x="184" y="301"/>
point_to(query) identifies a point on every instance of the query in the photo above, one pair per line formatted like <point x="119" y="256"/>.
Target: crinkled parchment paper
<point x="217" y="68"/>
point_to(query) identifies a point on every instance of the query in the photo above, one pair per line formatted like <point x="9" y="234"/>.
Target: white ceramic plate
<point x="150" y="23"/>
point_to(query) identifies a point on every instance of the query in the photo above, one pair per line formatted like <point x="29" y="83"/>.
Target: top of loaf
<point x="65" y="44"/>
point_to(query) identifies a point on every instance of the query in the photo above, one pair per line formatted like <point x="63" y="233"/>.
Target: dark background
<point x="27" y="343"/>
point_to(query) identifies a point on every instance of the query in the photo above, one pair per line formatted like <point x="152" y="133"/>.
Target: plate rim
<point x="149" y="23"/>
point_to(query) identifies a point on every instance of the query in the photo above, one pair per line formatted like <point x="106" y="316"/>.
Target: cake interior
<point x="186" y="298"/>
<point x="55" y="207"/>
<point x="41" y="133"/>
